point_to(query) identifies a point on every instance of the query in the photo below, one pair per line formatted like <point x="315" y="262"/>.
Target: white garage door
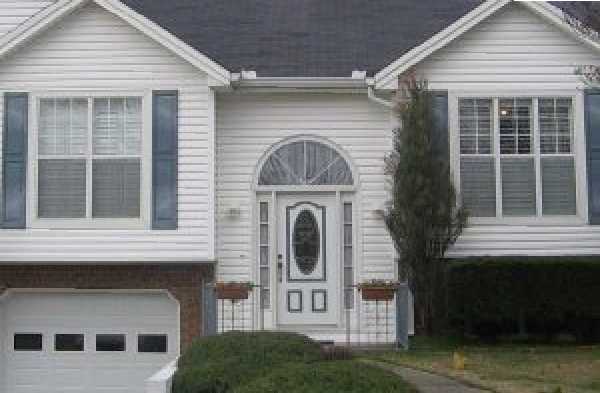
<point x="86" y="342"/>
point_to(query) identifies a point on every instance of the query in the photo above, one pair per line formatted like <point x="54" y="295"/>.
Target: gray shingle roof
<point x="303" y="38"/>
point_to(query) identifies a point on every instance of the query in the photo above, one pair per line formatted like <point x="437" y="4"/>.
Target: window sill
<point x="98" y="223"/>
<point x="529" y="221"/>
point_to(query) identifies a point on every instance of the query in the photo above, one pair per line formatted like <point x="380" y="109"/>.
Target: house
<point x="149" y="147"/>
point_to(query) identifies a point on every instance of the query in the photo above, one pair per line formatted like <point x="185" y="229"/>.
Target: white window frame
<point x="144" y="221"/>
<point x="578" y="151"/>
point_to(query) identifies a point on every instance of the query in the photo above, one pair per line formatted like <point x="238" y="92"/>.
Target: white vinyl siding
<point x="512" y="49"/>
<point x="249" y="124"/>
<point x="93" y="51"/>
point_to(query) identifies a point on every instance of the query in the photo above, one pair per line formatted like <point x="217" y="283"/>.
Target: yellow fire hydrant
<point x="459" y="361"/>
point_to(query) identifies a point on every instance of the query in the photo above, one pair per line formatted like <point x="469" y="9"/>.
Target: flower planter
<point x="232" y="291"/>
<point x="374" y="292"/>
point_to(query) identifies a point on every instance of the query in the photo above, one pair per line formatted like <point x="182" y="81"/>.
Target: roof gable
<point x="55" y="12"/>
<point x="549" y="13"/>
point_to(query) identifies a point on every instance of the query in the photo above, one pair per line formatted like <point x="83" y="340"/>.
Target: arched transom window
<point x="305" y="162"/>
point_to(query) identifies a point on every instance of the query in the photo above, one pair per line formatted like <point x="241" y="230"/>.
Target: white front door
<point x="308" y="260"/>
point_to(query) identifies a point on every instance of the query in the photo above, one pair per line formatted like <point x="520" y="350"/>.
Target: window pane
<point x="515" y="126"/>
<point x="264" y="276"/>
<point x="264" y="212"/>
<point x="349" y="298"/>
<point x="264" y="255"/>
<point x="558" y="185"/>
<point x="264" y="234"/>
<point x="348" y="256"/>
<point x="133" y="126"/>
<point x="117" y="126"/>
<point x="347" y="233"/>
<point x="61" y="189"/>
<point x="110" y="342"/>
<point x="348" y="276"/>
<point x="555" y="118"/>
<point x="116" y="188"/>
<point x="27" y="342"/>
<point x="475" y="126"/>
<point x="69" y="342"/>
<point x="265" y="301"/>
<point x="152" y="343"/>
<point x="478" y="185"/>
<point x="348" y="213"/>
<point x="518" y="186"/>
<point x="62" y="126"/>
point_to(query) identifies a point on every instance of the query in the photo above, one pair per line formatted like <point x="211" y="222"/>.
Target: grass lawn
<point x="506" y="368"/>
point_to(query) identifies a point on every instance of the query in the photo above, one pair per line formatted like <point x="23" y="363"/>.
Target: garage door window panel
<point x="28" y="342"/>
<point x="110" y="343"/>
<point x="152" y="343"/>
<point x="69" y="342"/>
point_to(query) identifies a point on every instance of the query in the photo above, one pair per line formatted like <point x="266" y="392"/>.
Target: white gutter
<point x="241" y="80"/>
<point x="371" y="94"/>
<point x="358" y="80"/>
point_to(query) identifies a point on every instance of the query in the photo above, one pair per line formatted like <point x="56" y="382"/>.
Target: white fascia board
<point x="51" y="14"/>
<point x="315" y="83"/>
<point x="438" y="41"/>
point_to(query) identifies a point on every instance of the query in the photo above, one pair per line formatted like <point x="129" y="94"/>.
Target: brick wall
<point x="182" y="281"/>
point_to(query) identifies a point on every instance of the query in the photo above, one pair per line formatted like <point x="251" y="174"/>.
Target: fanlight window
<point x="305" y="163"/>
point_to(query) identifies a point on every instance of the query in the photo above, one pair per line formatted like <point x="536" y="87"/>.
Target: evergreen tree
<point x="423" y="216"/>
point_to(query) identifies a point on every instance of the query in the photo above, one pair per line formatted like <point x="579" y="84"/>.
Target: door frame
<point x="344" y="194"/>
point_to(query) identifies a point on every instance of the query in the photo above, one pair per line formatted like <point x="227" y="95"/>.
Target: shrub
<point x="218" y="363"/>
<point x="330" y="377"/>
<point x="493" y="296"/>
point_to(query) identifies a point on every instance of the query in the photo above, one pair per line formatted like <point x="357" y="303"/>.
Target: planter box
<point x="232" y="291"/>
<point x="370" y="292"/>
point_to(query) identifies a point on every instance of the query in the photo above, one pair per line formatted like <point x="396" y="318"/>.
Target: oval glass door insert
<point x="306" y="244"/>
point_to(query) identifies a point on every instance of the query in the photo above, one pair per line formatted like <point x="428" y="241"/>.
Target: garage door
<point x="86" y="342"/>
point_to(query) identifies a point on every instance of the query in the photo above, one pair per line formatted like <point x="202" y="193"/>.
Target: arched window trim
<point x="301" y="184"/>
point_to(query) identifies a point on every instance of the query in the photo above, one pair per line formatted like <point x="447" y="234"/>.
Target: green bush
<point x="218" y="363"/>
<point x="330" y="377"/>
<point x="493" y="296"/>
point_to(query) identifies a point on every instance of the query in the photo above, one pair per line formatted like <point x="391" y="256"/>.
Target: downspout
<point x="371" y="95"/>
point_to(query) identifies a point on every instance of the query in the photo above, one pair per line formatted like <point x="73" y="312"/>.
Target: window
<point x="516" y="156"/>
<point x="152" y="343"/>
<point x="348" y="257"/>
<point x="110" y="342"/>
<point x="89" y="158"/>
<point x="68" y="342"/>
<point x="27" y="342"/>
<point x="264" y="251"/>
<point x="305" y="163"/>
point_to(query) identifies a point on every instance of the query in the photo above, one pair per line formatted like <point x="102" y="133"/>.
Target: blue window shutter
<point x="439" y="106"/>
<point x="592" y="137"/>
<point x="14" y="160"/>
<point x="164" y="159"/>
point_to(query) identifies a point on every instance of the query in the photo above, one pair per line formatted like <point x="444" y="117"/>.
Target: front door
<point x="308" y="260"/>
